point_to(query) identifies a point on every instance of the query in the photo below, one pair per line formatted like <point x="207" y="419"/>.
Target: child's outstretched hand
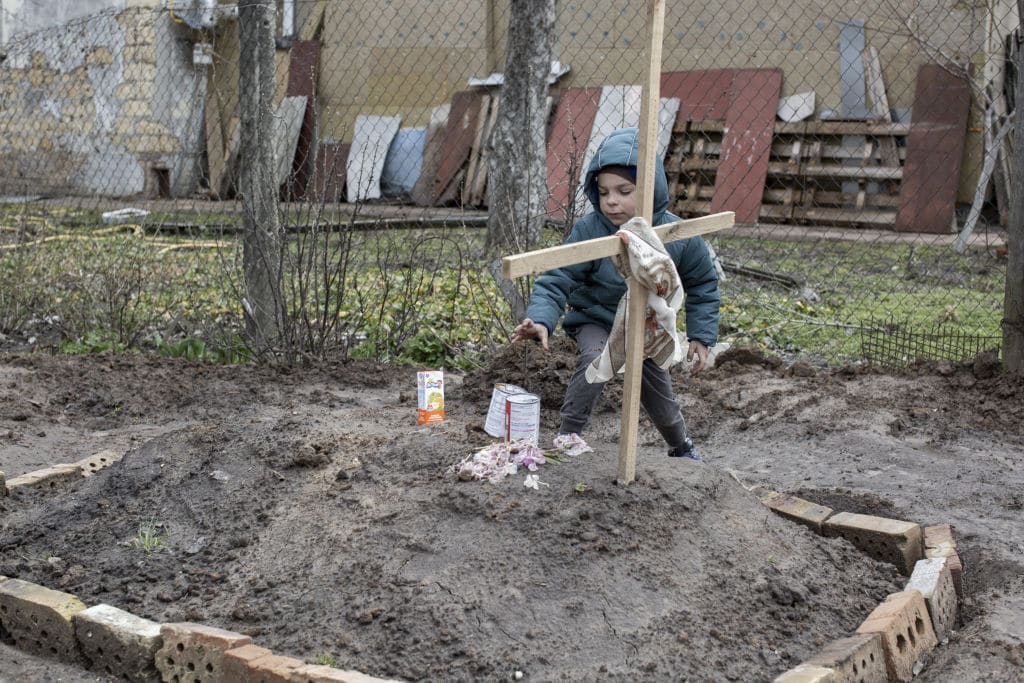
<point x="530" y="330"/>
<point x="701" y="351"/>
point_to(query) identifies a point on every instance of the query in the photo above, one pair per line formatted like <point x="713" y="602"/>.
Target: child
<point x="592" y="291"/>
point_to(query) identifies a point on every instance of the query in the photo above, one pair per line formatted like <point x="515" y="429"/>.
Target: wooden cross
<point x="568" y="254"/>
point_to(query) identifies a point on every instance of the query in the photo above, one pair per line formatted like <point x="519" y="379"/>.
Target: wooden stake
<point x="637" y="308"/>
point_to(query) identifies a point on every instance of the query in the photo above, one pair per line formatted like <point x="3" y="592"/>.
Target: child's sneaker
<point x="687" y="450"/>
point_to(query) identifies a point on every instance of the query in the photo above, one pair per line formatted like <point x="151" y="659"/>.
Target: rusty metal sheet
<point x="935" y="145"/>
<point x="567" y="144"/>
<point x="458" y="138"/>
<point x="329" y="172"/>
<point x="303" y="70"/>
<point x="747" y="143"/>
<point x="703" y="94"/>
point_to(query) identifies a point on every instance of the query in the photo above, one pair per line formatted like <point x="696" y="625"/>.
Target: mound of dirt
<point x="305" y="507"/>
<point x="317" y="540"/>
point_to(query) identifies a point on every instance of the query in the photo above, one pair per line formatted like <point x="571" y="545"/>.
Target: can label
<point x="495" y="423"/>
<point x="430" y="397"/>
<point x="522" y="418"/>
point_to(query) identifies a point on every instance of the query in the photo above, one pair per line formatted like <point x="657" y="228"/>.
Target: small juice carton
<point x="430" y="395"/>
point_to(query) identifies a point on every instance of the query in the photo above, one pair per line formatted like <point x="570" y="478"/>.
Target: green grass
<point x="423" y="296"/>
<point x="149" y="538"/>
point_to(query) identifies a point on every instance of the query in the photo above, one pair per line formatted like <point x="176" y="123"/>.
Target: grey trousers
<point x="656" y="395"/>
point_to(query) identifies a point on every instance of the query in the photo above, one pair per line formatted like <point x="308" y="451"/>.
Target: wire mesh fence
<point x="864" y="150"/>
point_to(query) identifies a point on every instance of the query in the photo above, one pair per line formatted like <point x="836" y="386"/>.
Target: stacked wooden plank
<point x="807" y="166"/>
<point x="474" y="188"/>
<point x="876" y="173"/>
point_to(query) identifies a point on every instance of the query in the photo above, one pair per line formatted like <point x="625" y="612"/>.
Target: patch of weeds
<point x="91" y="342"/>
<point x="226" y="349"/>
<point x="150" y="537"/>
<point x="582" y="488"/>
<point x="326" y="660"/>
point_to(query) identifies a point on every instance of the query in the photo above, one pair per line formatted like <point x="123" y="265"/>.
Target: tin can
<point x="429" y="396"/>
<point x="495" y="423"/>
<point x="522" y="418"/>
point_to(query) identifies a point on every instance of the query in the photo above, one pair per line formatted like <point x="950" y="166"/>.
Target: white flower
<point x="533" y="481"/>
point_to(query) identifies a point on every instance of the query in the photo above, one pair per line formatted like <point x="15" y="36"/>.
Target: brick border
<point x="905" y="627"/>
<point x="106" y="639"/>
<point x="886" y="647"/>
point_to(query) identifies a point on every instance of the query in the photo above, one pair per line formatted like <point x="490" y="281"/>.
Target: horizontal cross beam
<point x="542" y="260"/>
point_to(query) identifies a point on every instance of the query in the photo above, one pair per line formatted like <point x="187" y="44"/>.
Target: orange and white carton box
<point x="430" y="395"/>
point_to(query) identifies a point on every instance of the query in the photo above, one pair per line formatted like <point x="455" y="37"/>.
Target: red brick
<point x="236" y="662"/>
<point x="194" y="651"/>
<point x="906" y="630"/>
<point x="273" y="669"/>
<point x="857" y="659"/>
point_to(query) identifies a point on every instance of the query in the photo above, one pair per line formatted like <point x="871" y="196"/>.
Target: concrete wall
<point x="91" y="106"/>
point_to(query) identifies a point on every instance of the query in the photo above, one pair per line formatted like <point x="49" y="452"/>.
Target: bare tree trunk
<point x="258" y="185"/>
<point x="1013" y="300"/>
<point x="517" y="179"/>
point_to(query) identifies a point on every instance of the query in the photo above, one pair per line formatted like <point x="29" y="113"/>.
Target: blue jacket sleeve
<point x="552" y="289"/>
<point x="700" y="282"/>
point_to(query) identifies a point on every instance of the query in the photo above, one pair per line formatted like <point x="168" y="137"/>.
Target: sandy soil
<point x="306" y="508"/>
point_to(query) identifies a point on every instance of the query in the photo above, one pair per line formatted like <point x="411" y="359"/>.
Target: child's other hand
<point x="530" y="330"/>
<point x="701" y="351"/>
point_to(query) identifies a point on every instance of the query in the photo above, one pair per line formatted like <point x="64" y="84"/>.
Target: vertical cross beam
<point x="637" y="309"/>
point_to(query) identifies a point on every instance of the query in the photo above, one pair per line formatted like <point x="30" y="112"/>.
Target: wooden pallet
<point x="811" y="170"/>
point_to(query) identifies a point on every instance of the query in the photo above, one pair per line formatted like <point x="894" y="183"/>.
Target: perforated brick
<point x="889" y="540"/>
<point x="39" y="619"/>
<point x="314" y="673"/>
<point x="906" y="630"/>
<point x="193" y="652"/>
<point x="798" y="510"/>
<point x="806" y="673"/>
<point x="53" y="477"/>
<point x="98" y="461"/>
<point x="857" y="659"/>
<point x="932" y="577"/>
<point x="118" y="643"/>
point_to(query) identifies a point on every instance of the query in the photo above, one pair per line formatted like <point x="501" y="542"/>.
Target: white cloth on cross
<point x="649" y="262"/>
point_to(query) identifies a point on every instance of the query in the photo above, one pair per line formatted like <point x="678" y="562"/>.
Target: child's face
<point x="617" y="197"/>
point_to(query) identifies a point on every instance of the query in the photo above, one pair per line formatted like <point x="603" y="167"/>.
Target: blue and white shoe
<point x="687" y="450"/>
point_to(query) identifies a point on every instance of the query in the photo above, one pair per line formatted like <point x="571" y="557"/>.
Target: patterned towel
<point x="650" y="263"/>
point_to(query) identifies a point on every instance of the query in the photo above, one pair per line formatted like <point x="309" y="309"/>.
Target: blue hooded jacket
<point x="592" y="289"/>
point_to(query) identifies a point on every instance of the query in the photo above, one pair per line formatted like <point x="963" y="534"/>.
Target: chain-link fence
<point x="863" y="148"/>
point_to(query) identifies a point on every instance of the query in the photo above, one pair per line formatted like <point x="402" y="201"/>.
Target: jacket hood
<point x="621" y="149"/>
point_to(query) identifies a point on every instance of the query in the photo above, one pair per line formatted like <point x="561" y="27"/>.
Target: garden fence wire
<point x="862" y="146"/>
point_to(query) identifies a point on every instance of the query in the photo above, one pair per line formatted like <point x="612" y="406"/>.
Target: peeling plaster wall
<point x="93" y="105"/>
<point x="28" y="16"/>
